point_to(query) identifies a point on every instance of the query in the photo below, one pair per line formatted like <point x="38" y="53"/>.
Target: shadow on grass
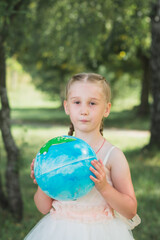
<point x="145" y="169"/>
<point x="39" y="116"/>
<point x="148" y="210"/>
<point x="127" y="119"/>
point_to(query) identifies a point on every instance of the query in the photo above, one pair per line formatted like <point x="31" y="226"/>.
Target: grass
<point x="145" y="168"/>
<point x="126" y="119"/>
<point x="35" y="120"/>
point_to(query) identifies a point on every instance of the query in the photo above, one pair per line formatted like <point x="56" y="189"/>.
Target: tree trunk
<point x="3" y="199"/>
<point x="155" y="71"/>
<point x="12" y="176"/>
<point x="144" y="105"/>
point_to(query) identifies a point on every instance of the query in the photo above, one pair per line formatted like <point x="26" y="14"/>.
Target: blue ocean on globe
<point x="61" y="168"/>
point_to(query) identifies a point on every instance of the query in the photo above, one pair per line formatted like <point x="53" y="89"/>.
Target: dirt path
<point x="128" y="132"/>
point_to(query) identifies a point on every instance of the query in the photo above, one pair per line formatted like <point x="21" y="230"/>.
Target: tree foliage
<point x="61" y="38"/>
<point x="55" y="39"/>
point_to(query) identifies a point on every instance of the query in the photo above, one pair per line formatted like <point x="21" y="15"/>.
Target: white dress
<point x="88" y="218"/>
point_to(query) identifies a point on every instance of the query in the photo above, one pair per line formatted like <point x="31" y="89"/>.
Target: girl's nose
<point x="84" y="110"/>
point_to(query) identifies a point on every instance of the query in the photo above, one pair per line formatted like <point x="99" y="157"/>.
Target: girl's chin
<point x="84" y="130"/>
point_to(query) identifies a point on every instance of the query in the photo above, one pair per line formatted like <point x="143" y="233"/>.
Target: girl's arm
<point x="42" y="201"/>
<point x="121" y="196"/>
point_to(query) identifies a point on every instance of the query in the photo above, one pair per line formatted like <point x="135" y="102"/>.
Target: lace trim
<point x="131" y="223"/>
<point x="85" y="214"/>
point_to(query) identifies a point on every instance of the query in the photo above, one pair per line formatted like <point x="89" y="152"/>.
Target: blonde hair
<point x="89" y="77"/>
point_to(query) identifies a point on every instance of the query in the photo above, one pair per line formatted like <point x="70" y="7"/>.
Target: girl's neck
<point x="94" y="139"/>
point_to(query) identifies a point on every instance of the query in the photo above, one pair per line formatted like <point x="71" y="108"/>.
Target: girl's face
<point x="86" y="105"/>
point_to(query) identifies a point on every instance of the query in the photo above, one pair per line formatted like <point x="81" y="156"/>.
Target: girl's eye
<point x="77" y="102"/>
<point x="92" y="103"/>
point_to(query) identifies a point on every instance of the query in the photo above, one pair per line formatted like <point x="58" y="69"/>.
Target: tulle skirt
<point x="51" y="228"/>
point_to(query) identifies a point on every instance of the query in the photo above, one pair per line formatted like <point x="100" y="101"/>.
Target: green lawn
<point x="145" y="168"/>
<point x="126" y="119"/>
<point x="35" y="120"/>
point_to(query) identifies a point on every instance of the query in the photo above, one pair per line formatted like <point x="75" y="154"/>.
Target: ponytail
<point x="71" y="129"/>
<point x="101" y="127"/>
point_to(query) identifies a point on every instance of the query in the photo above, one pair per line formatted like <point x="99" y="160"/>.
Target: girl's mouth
<point x="84" y="120"/>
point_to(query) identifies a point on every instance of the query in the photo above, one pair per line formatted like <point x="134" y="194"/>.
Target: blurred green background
<point x="36" y="119"/>
<point x="47" y="43"/>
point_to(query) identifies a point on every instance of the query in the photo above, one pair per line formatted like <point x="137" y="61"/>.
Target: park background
<point x="43" y="43"/>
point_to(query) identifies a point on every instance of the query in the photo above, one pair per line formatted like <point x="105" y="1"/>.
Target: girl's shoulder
<point x="112" y="155"/>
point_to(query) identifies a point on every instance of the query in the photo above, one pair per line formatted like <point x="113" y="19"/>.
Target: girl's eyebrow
<point x="92" y="98"/>
<point x="95" y="99"/>
<point x="75" y="97"/>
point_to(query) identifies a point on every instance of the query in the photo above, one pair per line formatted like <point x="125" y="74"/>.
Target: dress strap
<point x="107" y="156"/>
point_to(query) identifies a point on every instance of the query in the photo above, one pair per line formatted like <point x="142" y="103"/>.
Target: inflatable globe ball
<point x="61" y="168"/>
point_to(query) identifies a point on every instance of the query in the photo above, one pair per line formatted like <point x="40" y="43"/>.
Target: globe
<point x="61" y="168"/>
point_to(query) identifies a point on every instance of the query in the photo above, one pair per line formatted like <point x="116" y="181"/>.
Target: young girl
<point x="108" y="211"/>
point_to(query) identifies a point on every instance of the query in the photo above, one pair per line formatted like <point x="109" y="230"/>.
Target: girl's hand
<point x="100" y="173"/>
<point x="32" y="171"/>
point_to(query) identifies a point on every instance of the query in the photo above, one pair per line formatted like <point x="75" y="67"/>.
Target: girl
<point x="108" y="211"/>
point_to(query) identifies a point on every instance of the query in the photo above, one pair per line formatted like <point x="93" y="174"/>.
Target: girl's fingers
<point x="98" y="170"/>
<point x="95" y="172"/>
<point x="33" y="177"/>
<point x="32" y="174"/>
<point x="101" y="162"/>
<point x="98" y="166"/>
<point x="34" y="181"/>
<point x="32" y="171"/>
<point x="95" y="180"/>
<point x="32" y="164"/>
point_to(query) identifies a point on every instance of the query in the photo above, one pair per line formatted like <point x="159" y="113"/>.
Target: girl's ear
<point x="65" y="104"/>
<point x="107" y="110"/>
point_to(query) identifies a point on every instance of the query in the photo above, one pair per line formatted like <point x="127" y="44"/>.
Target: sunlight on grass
<point x="126" y="139"/>
<point x="35" y="120"/>
<point x="22" y="92"/>
<point x="144" y="169"/>
<point x="127" y="94"/>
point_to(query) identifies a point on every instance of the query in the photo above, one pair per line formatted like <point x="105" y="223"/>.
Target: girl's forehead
<point x="85" y="87"/>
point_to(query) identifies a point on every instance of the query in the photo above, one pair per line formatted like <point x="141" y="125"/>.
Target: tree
<point x="128" y="45"/>
<point x="155" y="74"/>
<point x="144" y="107"/>
<point x="11" y="14"/>
<point x="61" y="39"/>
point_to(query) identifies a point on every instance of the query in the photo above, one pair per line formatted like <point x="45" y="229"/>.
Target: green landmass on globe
<point x="55" y="141"/>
